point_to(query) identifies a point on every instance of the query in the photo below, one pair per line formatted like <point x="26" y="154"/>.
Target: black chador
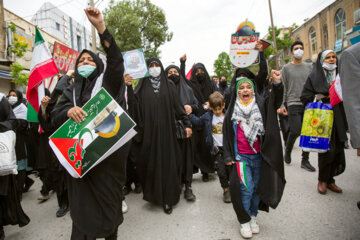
<point x="272" y="177"/>
<point x="159" y="158"/>
<point x="11" y="211"/>
<point x="202" y="87"/>
<point x="187" y="97"/>
<point x="95" y="200"/>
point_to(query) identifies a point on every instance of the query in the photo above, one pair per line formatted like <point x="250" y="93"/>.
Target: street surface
<point x="302" y="214"/>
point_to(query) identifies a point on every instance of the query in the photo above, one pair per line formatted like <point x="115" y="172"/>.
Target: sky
<point x="201" y="28"/>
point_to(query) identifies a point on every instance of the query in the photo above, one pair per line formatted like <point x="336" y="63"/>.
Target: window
<point x="340" y="24"/>
<point x="312" y="38"/>
<point x="58" y="26"/>
<point x="79" y="43"/>
<point x="325" y="37"/>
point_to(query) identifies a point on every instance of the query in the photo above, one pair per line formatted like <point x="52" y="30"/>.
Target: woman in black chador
<point x="191" y="105"/>
<point x="11" y="211"/>
<point x="55" y="174"/>
<point x="202" y="87"/>
<point x="159" y="158"/>
<point x="331" y="163"/>
<point x="95" y="200"/>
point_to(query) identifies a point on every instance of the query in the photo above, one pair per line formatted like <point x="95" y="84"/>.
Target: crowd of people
<point x="207" y="125"/>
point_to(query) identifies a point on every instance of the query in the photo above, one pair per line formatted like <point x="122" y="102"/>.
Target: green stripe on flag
<point x="245" y="178"/>
<point x="38" y="37"/>
<point x="32" y="115"/>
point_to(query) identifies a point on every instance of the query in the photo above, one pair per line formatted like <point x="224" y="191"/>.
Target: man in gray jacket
<point x="350" y="84"/>
<point x="293" y="77"/>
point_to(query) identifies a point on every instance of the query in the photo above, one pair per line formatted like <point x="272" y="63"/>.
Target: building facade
<point x="62" y="26"/>
<point x="25" y="32"/>
<point x="327" y="29"/>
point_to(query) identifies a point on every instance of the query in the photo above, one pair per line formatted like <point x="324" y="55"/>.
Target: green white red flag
<point x="42" y="67"/>
<point x="241" y="170"/>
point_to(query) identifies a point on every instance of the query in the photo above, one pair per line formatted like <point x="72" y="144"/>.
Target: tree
<point x="137" y="24"/>
<point x="223" y="66"/>
<point x="281" y="43"/>
<point x="18" y="48"/>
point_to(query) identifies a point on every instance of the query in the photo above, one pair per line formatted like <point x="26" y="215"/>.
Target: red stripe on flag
<point x="39" y="73"/>
<point x="188" y="75"/>
<point x="334" y="97"/>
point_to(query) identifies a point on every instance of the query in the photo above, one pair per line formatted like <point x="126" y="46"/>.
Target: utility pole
<point x="274" y="37"/>
<point x="93" y="34"/>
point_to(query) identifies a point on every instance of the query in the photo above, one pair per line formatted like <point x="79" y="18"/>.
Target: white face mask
<point x="329" y="66"/>
<point x="298" y="53"/>
<point x="12" y="100"/>
<point x="154" y="71"/>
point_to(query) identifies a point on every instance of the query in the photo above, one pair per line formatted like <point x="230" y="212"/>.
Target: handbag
<point x="317" y="127"/>
<point x="7" y="153"/>
<point x="180" y="129"/>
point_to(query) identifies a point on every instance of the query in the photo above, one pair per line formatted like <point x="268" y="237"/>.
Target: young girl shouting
<point x="252" y="145"/>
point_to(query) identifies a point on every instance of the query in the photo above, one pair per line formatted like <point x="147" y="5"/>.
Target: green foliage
<point x="137" y="24"/>
<point x="19" y="49"/>
<point x="19" y="78"/>
<point x="223" y="66"/>
<point x="281" y="43"/>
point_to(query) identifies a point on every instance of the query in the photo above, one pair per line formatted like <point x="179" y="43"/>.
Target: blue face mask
<point x="86" y="70"/>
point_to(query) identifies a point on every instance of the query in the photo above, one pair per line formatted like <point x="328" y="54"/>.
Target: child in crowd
<point x="257" y="170"/>
<point x="212" y="121"/>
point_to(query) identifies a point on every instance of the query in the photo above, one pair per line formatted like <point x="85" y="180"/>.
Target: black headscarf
<point x="83" y="86"/>
<point x="186" y="93"/>
<point x="163" y="78"/>
<point x="317" y="84"/>
<point x="159" y="152"/>
<point x="203" y="89"/>
<point x="60" y="87"/>
<point x="19" y="97"/>
<point x="318" y="79"/>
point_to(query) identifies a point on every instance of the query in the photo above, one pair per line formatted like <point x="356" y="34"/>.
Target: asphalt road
<point x="302" y="214"/>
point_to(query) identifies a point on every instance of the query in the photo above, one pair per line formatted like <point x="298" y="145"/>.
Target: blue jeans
<point x="249" y="197"/>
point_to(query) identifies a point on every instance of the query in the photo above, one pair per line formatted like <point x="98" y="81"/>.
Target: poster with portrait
<point x="242" y="45"/>
<point x="81" y="146"/>
<point x="135" y="64"/>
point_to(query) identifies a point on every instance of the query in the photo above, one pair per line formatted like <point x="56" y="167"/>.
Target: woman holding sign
<point x="95" y="200"/>
<point x="159" y="151"/>
<point x="331" y="163"/>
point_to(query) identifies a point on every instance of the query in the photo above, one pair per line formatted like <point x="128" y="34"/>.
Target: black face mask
<point x="223" y="83"/>
<point x="201" y="77"/>
<point x="175" y="78"/>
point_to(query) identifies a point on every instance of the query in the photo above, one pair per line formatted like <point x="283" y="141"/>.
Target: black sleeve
<point x="21" y="126"/>
<point x="132" y="101"/>
<point x="308" y="93"/>
<point x="180" y="113"/>
<point x="228" y="140"/>
<point x="62" y="107"/>
<point x="278" y="91"/>
<point x="195" y="105"/>
<point x="45" y="123"/>
<point x="113" y="77"/>
<point x="8" y="122"/>
<point x="182" y="69"/>
<point x="260" y="79"/>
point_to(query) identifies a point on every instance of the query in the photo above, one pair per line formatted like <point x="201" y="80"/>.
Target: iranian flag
<point x="42" y="67"/>
<point x="335" y="92"/>
<point x="241" y="170"/>
<point x="188" y="75"/>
